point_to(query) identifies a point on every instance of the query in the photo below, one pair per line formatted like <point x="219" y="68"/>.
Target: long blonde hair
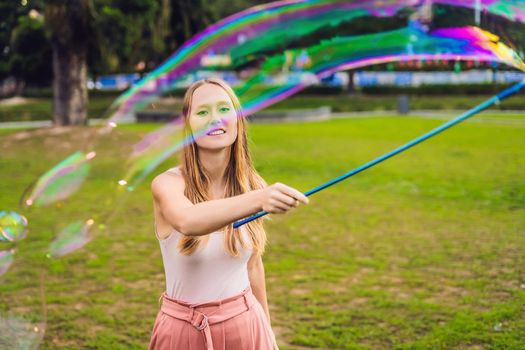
<point x="241" y="177"/>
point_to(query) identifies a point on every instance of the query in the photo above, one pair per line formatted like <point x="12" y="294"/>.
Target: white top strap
<point x="174" y="170"/>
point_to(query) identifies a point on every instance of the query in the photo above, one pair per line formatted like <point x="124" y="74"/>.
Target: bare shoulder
<point x="167" y="182"/>
<point x="169" y="202"/>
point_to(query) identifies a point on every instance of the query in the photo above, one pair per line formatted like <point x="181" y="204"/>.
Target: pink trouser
<point x="234" y="323"/>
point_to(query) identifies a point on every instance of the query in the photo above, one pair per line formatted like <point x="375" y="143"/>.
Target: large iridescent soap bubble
<point x="280" y="48"/>
<point x="284" y="47"/>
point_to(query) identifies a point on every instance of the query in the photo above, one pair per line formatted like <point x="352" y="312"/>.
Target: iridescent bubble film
<point x="60" y="181"/>
<point x="72" y="237"/>
<point x="330" y="36"/>
<point x="6" y="260"/>
<point x="281" y="48"/>
<point x="13" y="226"/>
<point x="152" y="150"/>
<point x="278" y="49"/>
<point x="19" y="333"/>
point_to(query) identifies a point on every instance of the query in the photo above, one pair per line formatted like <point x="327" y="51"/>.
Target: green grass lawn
<point x="423" y="251"/>
<point x="42" y="109"/>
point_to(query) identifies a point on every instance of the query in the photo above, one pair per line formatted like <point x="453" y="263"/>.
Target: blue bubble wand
<point x="493" y="100"/>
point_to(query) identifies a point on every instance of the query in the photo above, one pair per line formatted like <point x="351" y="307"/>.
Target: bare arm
<point x="258" y="284"/>
<point x="202" y="218"/>
<point x="257" y="281"/>
<point x="206" y="217"/>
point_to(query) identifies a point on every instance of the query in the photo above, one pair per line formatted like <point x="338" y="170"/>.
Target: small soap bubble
<point x="6" y="260"/>
<point x="20" y="333"/>
<point x="71" y="238"/>
<point x="61" y="181"/>
<point x="13" y="226"/>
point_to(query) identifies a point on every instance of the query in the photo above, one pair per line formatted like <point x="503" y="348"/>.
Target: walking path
<point x="443" y="115"/>
<point x="439" y="115"/>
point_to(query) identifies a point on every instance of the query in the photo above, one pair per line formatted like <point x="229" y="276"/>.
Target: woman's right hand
<point x="279" y="198"/>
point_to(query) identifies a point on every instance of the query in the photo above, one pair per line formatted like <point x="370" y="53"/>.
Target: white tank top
<point x="208" y="274"/>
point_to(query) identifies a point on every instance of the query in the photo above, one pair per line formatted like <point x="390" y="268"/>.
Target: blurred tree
<point x="189" y="17"/>
<point x="8" y="17"/>
<point x="96" y="37"/>
<point x="70" y="24"/>
<point x="30" y="52"/>
<point x="24" y="49"/>
<point x="129" y="32"/>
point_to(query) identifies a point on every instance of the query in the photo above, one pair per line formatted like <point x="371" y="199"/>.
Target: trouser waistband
<point x="203" y="315"/>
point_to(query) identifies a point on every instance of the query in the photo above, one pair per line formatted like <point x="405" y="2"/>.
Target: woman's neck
<point x="215" y="163"/>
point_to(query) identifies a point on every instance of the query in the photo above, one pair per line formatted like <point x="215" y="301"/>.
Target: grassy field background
<point x="424" y="251"/>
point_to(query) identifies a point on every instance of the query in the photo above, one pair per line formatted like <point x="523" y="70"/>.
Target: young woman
<point x="215" y="294"/>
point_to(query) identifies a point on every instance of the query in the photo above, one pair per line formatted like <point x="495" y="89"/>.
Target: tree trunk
<point x="350" y="86"/>
<point x="70" y="25"/>
<point x="70" y="97"/>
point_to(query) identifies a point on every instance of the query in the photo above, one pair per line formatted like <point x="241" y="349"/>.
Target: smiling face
<point x="212" y="110"/>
